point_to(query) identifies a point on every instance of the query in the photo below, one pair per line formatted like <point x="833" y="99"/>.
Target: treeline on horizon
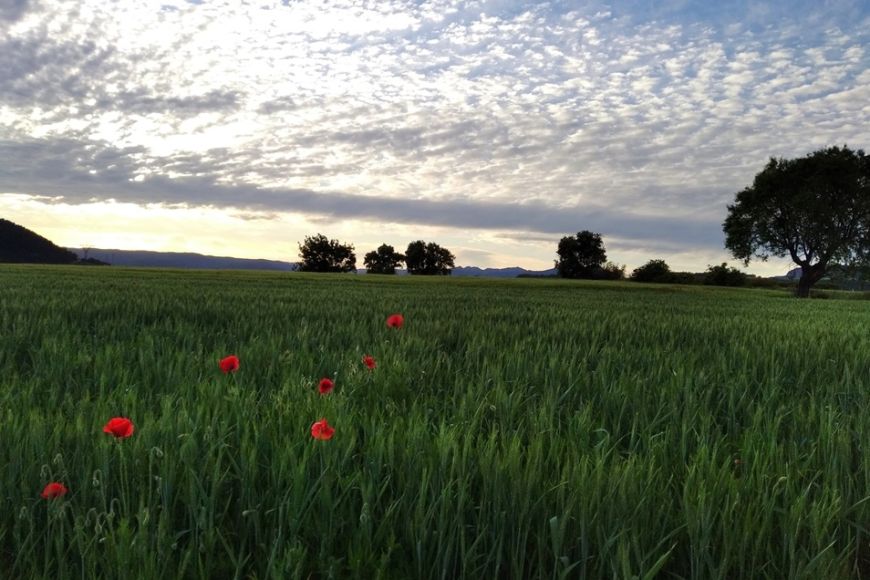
<point x="814" y="209"/>
<point x="581" y="257"/>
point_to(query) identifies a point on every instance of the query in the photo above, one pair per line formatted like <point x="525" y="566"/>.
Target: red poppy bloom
<point x="321" y="430"/>
<point x="395" y="320"/>
<point x="369" y="361"/>
<point x="325" y="387"/>
<point x="120" y="427"/>
<point x="53" y="490"/>
<point x="229" y="364"/>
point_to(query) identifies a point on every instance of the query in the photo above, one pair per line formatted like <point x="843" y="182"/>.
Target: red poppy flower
<point x="119" y="427"/>
<point x="53" y="490"/>
<point x="395" y="321"/>
<point x="229" y="364"/>
<point x="321" y="430"/>
<point x="369" y="361"/>
<point x="325" y="387"/>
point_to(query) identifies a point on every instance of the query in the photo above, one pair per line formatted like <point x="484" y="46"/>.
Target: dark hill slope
<point x="20" y="245"/>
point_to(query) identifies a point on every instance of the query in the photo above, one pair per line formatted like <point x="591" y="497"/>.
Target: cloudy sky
<point x="492" y="127"/>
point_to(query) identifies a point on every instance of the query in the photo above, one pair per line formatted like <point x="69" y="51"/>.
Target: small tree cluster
<point x="384" y="260"/>
<point x="656" y="271"/>
<point x="428" y="259"/>
<point x="722" y="275"/>
<point x="611" y="271"/>
<point x="320" y="254"/>
<point x="581" y="256"/>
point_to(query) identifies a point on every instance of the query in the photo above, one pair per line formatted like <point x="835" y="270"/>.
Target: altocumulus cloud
<point x="640" y="122"/>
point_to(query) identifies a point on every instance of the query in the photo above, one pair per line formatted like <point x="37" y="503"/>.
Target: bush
<point x="684" y="278"/>
<point x="611" y="271"/>
<point x="722" y="275"/>
<point x="653" y="271"/>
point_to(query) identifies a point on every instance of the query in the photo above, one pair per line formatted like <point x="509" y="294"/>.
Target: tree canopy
<point x="722" y="275"/>
<point x="384" y="260"/>
<point x="320" y="254"/>
<point x="815" y="210"/>
<point x="653" y="271"/>
<point x="581" y="256"/>
<point x="428" y="259"/>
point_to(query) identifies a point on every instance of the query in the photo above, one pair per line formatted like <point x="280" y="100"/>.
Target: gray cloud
<point x="50" y="172"/>
<point x="287" y="103"/>
<point x="11" y="10"/>
<point x="34" y="71"/>
<point x="142" y="102"/>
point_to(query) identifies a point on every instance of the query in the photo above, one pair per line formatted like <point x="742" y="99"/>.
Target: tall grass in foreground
<point x="512" y="429"/>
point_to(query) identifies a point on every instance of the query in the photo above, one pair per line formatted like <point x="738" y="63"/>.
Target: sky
<point x="491" y="127"/>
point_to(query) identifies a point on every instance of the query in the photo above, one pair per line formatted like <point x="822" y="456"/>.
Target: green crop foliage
<point x="511" y="429"/>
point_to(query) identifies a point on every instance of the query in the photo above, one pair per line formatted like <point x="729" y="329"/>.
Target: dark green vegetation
<point x="815" y="210"/>
<point x="653" y="271"/>
<point x="580" y="256"/>
<point x="512" y="429"/>
<point x="723" y="275"/>
<point x="22" y="246"/>
<point x="583" y="257"/>
<point x="320" y="254"/>
<point x="428" y="259"/>
<point x="384" y="260"/>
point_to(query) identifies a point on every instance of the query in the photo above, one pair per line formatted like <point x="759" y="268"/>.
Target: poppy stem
<point x="125" y="487"/>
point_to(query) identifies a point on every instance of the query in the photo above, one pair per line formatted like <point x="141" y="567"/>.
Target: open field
<point x="512" y="429"/>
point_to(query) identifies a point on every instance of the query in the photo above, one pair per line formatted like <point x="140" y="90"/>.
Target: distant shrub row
<point x="658" y="271"/>
<point x="583" y="256"/>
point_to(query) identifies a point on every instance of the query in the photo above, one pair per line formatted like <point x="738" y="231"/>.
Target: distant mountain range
<point x="501" y="272"/>
<point x="18" y="244"/>
<point x="145" y="259"/>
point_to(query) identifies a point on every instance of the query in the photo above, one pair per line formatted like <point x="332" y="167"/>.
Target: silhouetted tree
<point x="610" y="271"/>
<point x="415" y="256"/>
<point x="722" y="275"/>
<point x="428" y="259"/>
<point x="581" y="256"/>
<point x="815" y="209"/>
<point x="384" y="260"/>
<point x="320" y="254"/>
<point x="653" y="271"/>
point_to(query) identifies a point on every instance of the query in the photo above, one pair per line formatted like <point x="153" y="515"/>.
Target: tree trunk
<point x="803" y="287"/>
<point x="809" y="276"/>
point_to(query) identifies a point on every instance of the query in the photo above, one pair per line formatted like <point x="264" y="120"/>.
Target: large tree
<point x="815" y="210"/>
<point x="581" y="256"/>
<point x="320" y="254"/>
<point x="428" y="259"/>
<point x="384" y="260"/>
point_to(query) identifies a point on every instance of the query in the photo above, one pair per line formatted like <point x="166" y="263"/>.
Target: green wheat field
<point x="511" y="429"/>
